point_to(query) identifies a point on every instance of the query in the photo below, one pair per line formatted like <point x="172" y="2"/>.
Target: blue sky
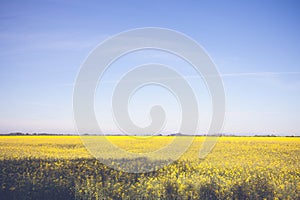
<point x="255" y="45"/>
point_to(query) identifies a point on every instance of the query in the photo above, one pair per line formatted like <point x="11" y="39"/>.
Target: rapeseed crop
<point x="60" y="167"/>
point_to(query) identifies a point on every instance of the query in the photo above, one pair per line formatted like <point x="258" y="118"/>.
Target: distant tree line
<point x="171" y="134"/>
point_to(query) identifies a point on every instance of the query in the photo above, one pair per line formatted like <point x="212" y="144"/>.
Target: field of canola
<point x="60" y="167"/>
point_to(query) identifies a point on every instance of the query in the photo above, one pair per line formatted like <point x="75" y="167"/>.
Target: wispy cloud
<point x="15" y="43"/>
<point x="240" y="74"/>
<point x="259" y="74"/>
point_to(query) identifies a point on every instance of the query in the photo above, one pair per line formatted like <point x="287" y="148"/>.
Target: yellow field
<point x="237" y="168"/>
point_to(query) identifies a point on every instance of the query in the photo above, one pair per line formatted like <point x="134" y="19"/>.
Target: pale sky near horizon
<point x="254" y="44"/>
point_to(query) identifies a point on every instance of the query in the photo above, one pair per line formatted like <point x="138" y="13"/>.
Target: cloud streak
<point x="259" y="74"/>
<point x="221" y="75"/>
